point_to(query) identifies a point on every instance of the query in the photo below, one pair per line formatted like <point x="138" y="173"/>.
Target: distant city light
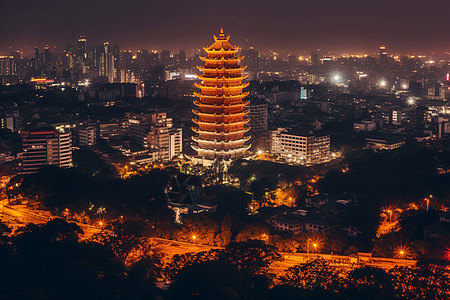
<point x="411" y="101"/>
<point x="383" y="83"/>
<point x="337" y="78"/>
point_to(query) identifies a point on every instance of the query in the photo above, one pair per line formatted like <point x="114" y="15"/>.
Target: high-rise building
<point x="165" y="57"/>
<point x="45" y="147"/>
<point x="259" y="123"/>
<point x="182" y="59"/>
<point x="82" y="49"/>
<point x="87" y="135"/>
<point x="315" y="59"/>
<point x="258" y="115"/>
<point x="175" y="142"/>
<point x="221" y="115"/>
<point x="383" y="55"/>
<point x="36" y="62"/>
<point x="105" y="61"/>
<point x="11" y="120"/>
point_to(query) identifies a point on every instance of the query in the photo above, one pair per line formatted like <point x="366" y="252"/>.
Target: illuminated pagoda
<point x="221" y="111"/>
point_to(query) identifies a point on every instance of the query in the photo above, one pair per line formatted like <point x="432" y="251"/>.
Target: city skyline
<point x="344" y="27"/>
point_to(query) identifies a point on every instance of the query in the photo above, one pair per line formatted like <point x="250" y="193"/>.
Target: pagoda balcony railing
<point x="241" y="86"/>
<point x="221" y="133"/>
<point x="198" y="122"/>
<point x="221" y="59"/>
<point x="200" y="104"/>
<point x="240" y="95"/>
<point x="198" y="113"/>
<point x="243" y="140"/>
<point x="222" y="69"/>
<point x="222" y="152"/>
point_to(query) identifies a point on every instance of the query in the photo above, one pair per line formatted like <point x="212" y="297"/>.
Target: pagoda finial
<point x="221" y="35"/>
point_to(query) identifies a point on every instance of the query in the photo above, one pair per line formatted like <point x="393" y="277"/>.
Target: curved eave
<point x="222" y="78"/>
<point x="221" y="50"/>
<point x="198" y="113"/>
<point x="198" y="122"/>
<point x="242" y="95"/>
<point x="243" y="140"/>
<point x="201" y="86"/>
<point x="198" y="131"/>
<point x="221" y="59"/>
<point x="245" y="148"/>
<point x="199" y="104"/>
<point x="223" y="69"/>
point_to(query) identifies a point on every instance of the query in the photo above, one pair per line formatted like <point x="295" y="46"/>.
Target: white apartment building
<point x="297" y="148"/>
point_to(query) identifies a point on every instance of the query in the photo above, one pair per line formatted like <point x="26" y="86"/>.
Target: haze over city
<point x="293" y="26"/>
<point x="260" y="150"/>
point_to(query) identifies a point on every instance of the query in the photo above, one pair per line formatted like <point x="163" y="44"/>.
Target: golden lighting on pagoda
<point x="221" y="112"/>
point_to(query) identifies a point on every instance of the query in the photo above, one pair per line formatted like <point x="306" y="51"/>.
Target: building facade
<point x="297" y="148"/>
<point x="46" y="147"/>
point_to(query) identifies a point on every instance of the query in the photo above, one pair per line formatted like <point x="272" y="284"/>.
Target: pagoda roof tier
<point x="199" y="113"/>
<point x="222" y="50"/>
<point x="241" y="86"/>
<point x="199" y="104"/>
<point x="222" y="152"/>
<point x="197" y="130"/>
<point x="198" y="122"/>
<point x="223" y="69"/>
<point x="222" y="78"/>
<point x="221" y="42"/>
<point x="243" y="95"/>
<point x="221" y="59"/>
<point x="243" y="140"/>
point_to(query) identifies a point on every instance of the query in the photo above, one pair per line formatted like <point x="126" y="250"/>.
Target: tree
<point x="200" y="229"/>
<point x="253" y="231"/>
<point x="421" y="282"/>
<point x="316" y="274"/>
<point x="127" y="239"/>
<point x="223" y="238"/>
<point x="369" y="283"/>
<point x="181" y="261"/>
<point x="252" y="256"/>
<point x="210" y="280"/>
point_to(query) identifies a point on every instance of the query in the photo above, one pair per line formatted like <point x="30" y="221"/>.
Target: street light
<point x="390" y="215"/>
<point x="402" y="252"/>
<point x="428" y="202"/>
<point x="314" y="244"/>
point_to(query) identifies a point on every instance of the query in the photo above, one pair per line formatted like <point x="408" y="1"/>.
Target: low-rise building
<point x="300" y="148"/>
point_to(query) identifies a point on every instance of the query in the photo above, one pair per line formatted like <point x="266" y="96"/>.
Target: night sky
<point x="291" y="25"/>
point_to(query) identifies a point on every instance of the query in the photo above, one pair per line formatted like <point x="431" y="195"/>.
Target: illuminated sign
<point x="303" y="93"/>
<point x="42" y="80"/>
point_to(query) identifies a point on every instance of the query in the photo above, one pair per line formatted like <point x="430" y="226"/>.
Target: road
<point x="19" y="216"/>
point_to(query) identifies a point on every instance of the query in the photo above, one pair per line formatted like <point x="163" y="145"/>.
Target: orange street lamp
<point x="314" y="244"/>
<point x="402" y="252"/>
<point x="194" y="237"/>
<point x="390" y="215"/>
<point x="428" y="202"/>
